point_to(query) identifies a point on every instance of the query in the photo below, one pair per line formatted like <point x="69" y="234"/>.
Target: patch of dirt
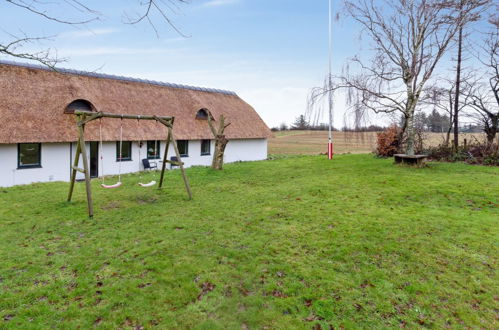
<point x="111" y="206"/>
<point x="146" y="200"/>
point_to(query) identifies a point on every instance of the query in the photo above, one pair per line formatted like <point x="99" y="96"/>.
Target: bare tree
<point x="483" y="92"/>
<point x="485" y="107"/>
<point x="15" y="44"/>
<point x="220" y="140"/>
<point x="441" y="96"/>
<point x="410" y="37"/>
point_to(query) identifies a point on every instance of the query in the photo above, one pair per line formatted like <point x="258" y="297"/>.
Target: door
<point x="94" y="159"/>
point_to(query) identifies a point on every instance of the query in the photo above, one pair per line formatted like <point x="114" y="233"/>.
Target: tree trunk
<point x="449" y="130"/>
<point x="218" y="156"/>
<point x="410" y="134"/>
<point x="458" y="89"/>
<point x="403" y="129"/>
<point x="220" y="140"/>
<point x="409" y="121"/>
<point x="491" y="130"/>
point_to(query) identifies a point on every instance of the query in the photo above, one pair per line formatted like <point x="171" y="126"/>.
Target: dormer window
<point x="202" y="114"/>
<point x="79" y="105"/>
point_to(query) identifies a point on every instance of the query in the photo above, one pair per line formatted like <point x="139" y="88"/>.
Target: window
<point x="183" y="148"/>
<point x="202" y="114"/>
<point x="126" y="151"/>
<point x="79" y="105"/>
<point x="29" y="155"/>
<point x="153" y="149"/>
<point x="205" y="147"/>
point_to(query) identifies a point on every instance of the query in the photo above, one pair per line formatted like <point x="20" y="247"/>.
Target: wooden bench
<point x="414" y="160"/>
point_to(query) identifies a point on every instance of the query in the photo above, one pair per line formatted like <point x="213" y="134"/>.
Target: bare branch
<point x="41" y="8"/>
<point x="35" y="10"/>
<point x="159" y="7"/>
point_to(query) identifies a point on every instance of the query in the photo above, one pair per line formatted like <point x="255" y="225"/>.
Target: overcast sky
<point x="270" y="52"/>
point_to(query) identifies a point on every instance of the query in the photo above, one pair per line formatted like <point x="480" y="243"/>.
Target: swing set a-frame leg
<point x="165" y="160"/>
<point x="73" y="171"/>
<point x="181" y="164"/>
<point x="81" y="149"/>
<point x="171" y="138"/>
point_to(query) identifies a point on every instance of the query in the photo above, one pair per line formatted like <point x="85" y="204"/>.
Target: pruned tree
<point x="220" y="140"/>
<point x="77" y="14"/>
<point x="409" y="39"/>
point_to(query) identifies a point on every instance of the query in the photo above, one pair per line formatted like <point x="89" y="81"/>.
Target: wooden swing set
<point x="84" y="117"/>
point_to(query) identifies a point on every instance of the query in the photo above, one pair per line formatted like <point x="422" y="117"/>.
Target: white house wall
<point x="56" y="157"/>
<point x="55" y="165"/>
<point x="245" y="150"/>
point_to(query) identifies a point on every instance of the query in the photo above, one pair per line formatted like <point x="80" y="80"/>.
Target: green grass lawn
<point x="290" y="243"/>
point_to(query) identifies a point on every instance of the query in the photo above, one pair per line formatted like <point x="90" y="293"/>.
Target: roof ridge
<point x="116" y="77"/>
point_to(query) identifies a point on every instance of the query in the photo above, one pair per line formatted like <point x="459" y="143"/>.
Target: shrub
<point x="484" y="153"/>
<point x="388" y="142"/>
<point x="477" y="153"/>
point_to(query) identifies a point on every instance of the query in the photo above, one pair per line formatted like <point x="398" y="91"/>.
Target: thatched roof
<point x="33" y="100"/>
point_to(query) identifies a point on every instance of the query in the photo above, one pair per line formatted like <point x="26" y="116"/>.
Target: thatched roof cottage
<point x="38" y="132"/>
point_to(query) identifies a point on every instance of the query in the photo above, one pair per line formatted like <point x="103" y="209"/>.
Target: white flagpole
<point x="330" y="96"/>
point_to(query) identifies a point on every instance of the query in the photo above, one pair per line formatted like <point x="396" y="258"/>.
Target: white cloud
<point x="86" y="33"/>
<point x="217" y="3"/>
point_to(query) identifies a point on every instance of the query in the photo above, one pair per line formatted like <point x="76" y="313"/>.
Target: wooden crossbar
<point x="120" y="116"/>
<point x="173" y="162"/>
<point x="78" y="169"/>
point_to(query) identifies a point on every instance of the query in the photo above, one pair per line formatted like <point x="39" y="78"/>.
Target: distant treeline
<point x="433" y="122"/>
<point x="301" y="124"/>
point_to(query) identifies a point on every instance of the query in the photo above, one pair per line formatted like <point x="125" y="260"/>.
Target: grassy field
<point x="315" y="142"/>
<point x="298" y="242"/>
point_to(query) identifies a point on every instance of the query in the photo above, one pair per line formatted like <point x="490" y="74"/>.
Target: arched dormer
<point x="79" y="105"/>
<point x="202" y="114"/>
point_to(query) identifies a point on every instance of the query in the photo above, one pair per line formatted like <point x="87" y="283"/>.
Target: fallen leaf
<point x="279" y="294"/>
<point x="205" y="288"/>
<point x="8" y="317"/>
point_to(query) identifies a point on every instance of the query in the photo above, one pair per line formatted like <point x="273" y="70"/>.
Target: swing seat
<point x="116" y="185"/>
<point x="150" y="184"/>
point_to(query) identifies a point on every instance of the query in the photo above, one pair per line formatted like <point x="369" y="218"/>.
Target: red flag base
<point x="330" y="150"/>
